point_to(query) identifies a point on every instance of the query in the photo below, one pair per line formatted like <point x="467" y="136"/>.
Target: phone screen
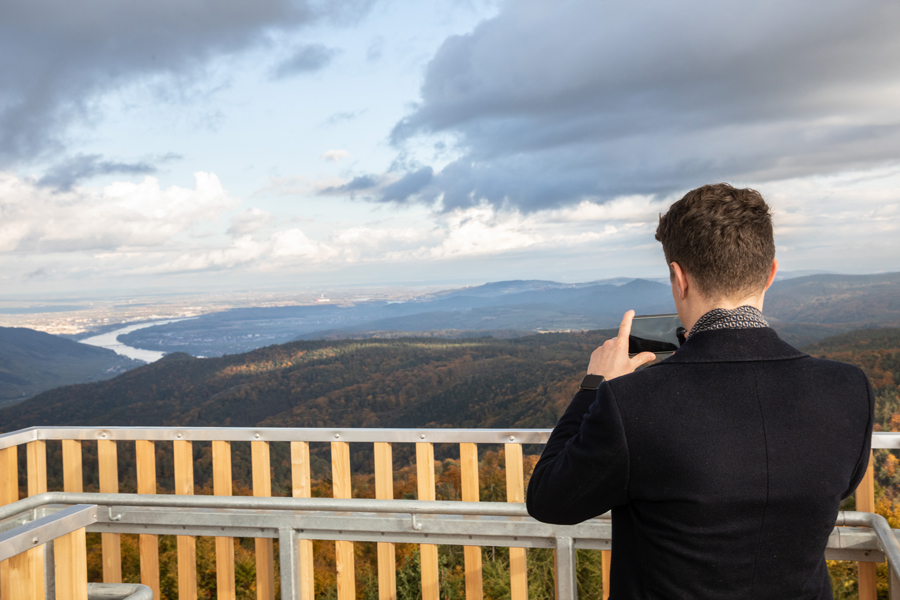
<point x="660" y="334"/>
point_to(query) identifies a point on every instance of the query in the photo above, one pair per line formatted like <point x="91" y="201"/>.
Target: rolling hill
<point x="32" y="362"/>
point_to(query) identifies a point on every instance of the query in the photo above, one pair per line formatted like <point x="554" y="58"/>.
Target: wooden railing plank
<point x="468" y="467"/>
<point x="145" y="453"/>
<point x="36" y="459"/>
<point x="110" y="543"/>
<point x="187" y="544"/>
<point x="70" y="558"/>
<point x="222" y="486"/>
<point x="26" y="575"/>
<point x="515" y="492"/>
<point x="428" y="553"/>
<point x="300" y="478"/>
<point x="73" y="480"/>
<point x="265" y="549"/>
<point x="605" y="564"/>
<point x="341" y="484"/>
<point x="865" y="501"/>
<point x="384" y="490"/>
<point x="9" y="493"/>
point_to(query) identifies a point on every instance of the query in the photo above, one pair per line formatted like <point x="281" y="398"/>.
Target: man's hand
<point x="611" y="359"/>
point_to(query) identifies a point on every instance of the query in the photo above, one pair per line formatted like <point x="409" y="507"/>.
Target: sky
<point x="173" y="145"/>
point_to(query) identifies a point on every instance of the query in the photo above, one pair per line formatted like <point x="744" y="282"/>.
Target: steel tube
<point x="119" y="591"/>
<point x="879" y="525"/>
<point x="566" y="564"/>
<point x="46" y="529"/>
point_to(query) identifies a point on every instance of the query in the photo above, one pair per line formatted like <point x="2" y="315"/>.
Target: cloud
<point x="360" y="183"/>
<point x="410" y="184"/>
<point x="553" y="104"/>
<point x="305" y="59"/>
<point x="344" y="116"/>
<point x="335" y="156"/>
<point x="120" y="217"/>
<point x="249" y="221"/>
<point x="58" y="58"/>
<point x="63" y="175"/>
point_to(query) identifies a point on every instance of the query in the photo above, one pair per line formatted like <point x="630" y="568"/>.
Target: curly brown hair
<point x="723" y="237"/>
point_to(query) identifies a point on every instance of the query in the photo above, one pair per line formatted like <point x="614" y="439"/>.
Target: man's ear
<point x="679" y="280"/>
<point x="772" y="273"/>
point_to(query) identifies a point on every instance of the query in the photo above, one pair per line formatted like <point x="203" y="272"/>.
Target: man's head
<point x="722" y="237"/>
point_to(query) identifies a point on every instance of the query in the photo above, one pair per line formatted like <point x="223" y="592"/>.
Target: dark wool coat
<point x="723" y="466"/>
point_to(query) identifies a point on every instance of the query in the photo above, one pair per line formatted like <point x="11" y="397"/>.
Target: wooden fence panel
<point x="145" y="452"/>
<point x="36" y="459"/>
<point x="70" y="557"/>
<point x="300" y="478"/>
<point x="384" y="490"/>
<point x="9" y="493"/>
<point x="341" y="482"/>
<point x="111" y="543"/>
<point x="865" y="501"/>
<point x="428" y="554"/>
<point x="73" y="480"/>
<point x="468" y="466"/>
<point x="187" y="544"/>
<point x="222" y="486"/>
<point x="515" y="492"/>
<point x="26" y="575"/>
<point x="265" y="549"/>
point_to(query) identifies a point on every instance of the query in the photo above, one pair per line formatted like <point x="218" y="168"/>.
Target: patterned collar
<point x="742" y="317"/>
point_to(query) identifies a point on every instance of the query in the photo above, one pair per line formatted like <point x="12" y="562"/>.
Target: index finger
<point x="625" y="327"/>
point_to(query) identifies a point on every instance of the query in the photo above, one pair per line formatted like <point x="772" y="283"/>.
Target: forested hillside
<point x="33" y="361"/>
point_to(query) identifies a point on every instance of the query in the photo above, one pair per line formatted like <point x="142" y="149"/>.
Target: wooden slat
<point x="222" y="486"/>
<point x="384" y="490"/>
<point x="300" y="478"/>
<point x="515" y="492"/>
<point x="605" y="563"/>
<point x="36" y="455"/>
<point x="341" y="484"/>
<point x="9" y="493"/>
<point x="865" y="502"/>
<point x="26" y="575"/>
<point x="145" y="451"/>
<point x="70" y="557"/>
<point x="468" y="467"/>
<point x="111" y="546"/>
<point x="187" y="544"/>
<point x="73" y="481"/>
<point x="265" y="552"/>
<point x="428" y="554"/>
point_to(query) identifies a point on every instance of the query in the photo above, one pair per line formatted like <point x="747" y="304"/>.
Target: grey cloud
<point x="65" y="174"/>
<point x="553" y="103"/>
<point x="361" y="183"/>
<point x="375" y="49"/>
<point x="305" y="59"/>
<point x="57" y="56"/>
<point x="344" y="116"/>
<point x="409" y="185"/>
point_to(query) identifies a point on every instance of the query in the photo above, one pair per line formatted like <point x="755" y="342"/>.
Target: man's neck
<point x="691" y="309"/>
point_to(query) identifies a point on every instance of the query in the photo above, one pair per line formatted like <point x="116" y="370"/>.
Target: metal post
<point x="288" y="553"/>
<point x="566" y="585"/>
<point x="49" y="572"/>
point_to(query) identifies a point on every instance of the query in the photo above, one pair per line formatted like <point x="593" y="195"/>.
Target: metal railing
<point x="428" y="523"/>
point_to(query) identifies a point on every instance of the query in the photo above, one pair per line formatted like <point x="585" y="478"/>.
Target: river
<point x="108" y="340"/>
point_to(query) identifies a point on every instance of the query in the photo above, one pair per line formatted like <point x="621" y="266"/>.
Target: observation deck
<point x="43" y="535"/>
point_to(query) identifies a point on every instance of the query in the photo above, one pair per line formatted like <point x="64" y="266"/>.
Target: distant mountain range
<point x="33" y="361"/>
<point x="803" y="309"/>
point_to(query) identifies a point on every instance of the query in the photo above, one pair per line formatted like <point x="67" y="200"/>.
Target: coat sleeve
<point x="863" y="463"/>
<point x="583" y="471"/>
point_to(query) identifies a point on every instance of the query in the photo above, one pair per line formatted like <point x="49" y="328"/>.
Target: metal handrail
<point x="882" y="530"/>
<point x="880" y="439"/>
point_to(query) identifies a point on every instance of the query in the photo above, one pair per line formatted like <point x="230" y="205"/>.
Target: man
<point x="725" y="464"/>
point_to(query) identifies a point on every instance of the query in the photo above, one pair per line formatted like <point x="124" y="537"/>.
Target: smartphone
<point x="659" y="334"/>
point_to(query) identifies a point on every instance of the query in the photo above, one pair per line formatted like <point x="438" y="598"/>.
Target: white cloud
<point x="335" y="156"/>
<point x="121" y="215"/>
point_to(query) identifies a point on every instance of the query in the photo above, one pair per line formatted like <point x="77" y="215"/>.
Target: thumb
<point x="645" y="357"/>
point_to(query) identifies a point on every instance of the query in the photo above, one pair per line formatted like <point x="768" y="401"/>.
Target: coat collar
<point x="734" y="345"/>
